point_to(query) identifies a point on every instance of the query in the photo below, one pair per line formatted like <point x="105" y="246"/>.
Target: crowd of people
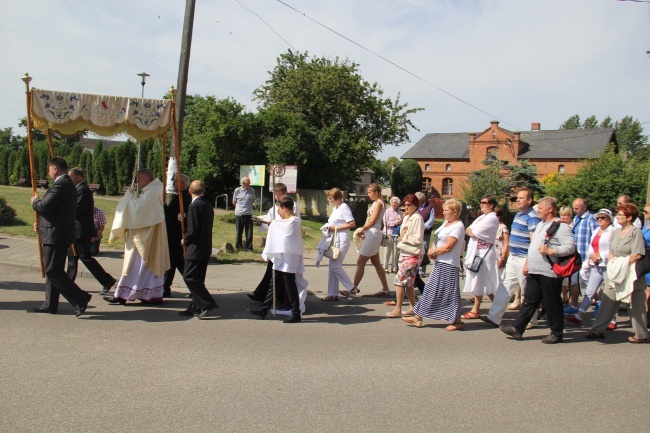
<point x="520" y="268"/>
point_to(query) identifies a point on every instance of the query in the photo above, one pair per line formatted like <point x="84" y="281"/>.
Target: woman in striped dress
<point x="441" y="297"/>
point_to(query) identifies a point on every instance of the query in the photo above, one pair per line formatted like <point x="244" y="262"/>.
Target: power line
<point x="396" y="65"/>
<point x="246" y="7"/>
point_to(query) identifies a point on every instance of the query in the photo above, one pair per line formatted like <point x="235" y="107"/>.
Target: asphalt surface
<point x="346" y="368"/>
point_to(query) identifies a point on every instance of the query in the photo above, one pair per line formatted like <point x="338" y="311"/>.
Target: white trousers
<point x="514" y="277"/>
<point x="336" y="272"/>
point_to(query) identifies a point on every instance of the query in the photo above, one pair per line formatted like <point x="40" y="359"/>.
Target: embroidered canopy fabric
<point x="69" y="113"/>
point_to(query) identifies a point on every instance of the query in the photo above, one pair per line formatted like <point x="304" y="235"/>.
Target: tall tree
<point x="406" y="178"/>
<point x="332" y="120"/>
<point x="500" y="179"/>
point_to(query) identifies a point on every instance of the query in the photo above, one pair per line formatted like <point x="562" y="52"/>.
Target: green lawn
<point x="224" y="226"/>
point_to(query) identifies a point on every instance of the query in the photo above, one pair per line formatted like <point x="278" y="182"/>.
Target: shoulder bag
<point x="333" y="250"/>
<point x="567" y="265"/>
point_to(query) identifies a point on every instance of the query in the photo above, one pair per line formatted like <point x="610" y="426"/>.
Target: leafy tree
<point x="500" y="179"/>
<point x="4" y="171"/>
<point x="218" y="137"/>
<point x="406" y="178"/>
<point x="600" y="181"/>
<point x="329" y="120"/>
<point x="383" y="169"/>
<point x="75" y="156"/>
<point x="86" y="164"/>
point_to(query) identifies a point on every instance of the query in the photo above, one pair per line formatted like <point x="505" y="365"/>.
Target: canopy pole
<point x="49" y="143"/>
<point x="30" y="149"/>
<point x="177" y="151"/>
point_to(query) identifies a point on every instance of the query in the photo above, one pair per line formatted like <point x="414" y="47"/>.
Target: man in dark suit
<point x="84" y="230"/>
<point x="198" y="239"/>
<point x="174" y="235"/>
<point x="56" y="227"/>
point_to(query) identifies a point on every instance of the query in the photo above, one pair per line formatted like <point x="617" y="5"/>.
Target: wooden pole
<point x="30" y="149"/>
<point x="184" y="66"/>
<point x="49" y="143"/>
<point x="177" y="151"/>
<point x="163" y="157"/>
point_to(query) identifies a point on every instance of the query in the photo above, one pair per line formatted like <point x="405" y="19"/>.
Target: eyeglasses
<point x="409" y="204"/>
<point x="485" y="202"/>
<point x="602" y="218"/>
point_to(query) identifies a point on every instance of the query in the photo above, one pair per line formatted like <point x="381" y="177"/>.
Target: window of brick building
<point x="426" y="184"/>
<point x="448" y="167"/>
<point x="560" y="169"/>
<point x="427" y="167"/>
<point x="448" y="186"/>
<point x="493" y="150"/>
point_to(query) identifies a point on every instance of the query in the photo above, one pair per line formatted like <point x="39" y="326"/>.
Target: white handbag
<point x="333" y="250"/>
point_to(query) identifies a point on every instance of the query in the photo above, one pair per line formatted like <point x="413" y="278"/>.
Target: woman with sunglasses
<point x="441" y="297"/>
<point x="626" y="247"/>
<point x="410" y="244"/>
<point x="598" y="254"/>
<point x="482" y="233"/>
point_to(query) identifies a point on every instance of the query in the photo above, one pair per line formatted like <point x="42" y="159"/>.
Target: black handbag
<point x="477" y="262"/>
<point x="642" y="266"/>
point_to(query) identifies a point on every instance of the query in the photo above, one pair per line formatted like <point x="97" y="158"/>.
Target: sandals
<point x="637" y="340"/>
<point x="390" y="316"/>
<point x="413" y="321"/>
<point x="353" y="293"/>
<point x="456" y="326"/>
<point x="469" y="315"/>
<point x="330" y="298"/>
<point x="382" y="293"/>
<point x="390" y="303"/>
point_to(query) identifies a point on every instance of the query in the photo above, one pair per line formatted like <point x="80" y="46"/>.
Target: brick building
<point x="447" y="159"/>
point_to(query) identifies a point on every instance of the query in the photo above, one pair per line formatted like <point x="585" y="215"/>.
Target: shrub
<point x="7" y="213"/>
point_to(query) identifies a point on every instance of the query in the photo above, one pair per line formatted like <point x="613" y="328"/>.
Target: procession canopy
<point x="70" y="112"/>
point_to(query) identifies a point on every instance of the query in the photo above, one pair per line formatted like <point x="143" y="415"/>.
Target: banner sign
<point x="289" y="178"/>
<point x="256" y="173"/>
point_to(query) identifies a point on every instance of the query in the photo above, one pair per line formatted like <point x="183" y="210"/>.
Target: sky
<point x="466" y="62"/>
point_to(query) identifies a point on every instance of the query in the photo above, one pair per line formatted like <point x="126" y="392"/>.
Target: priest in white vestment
<point x="140" y="222"/>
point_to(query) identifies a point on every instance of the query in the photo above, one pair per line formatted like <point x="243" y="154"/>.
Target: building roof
<point x="440" y="146"/>
<point x="90" y="143"/>
<point x="559" y="144"/>
<point x="566" y="143"/>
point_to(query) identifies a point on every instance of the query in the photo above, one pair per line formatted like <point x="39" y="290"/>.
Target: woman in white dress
<point x="372" y="235"/>
<point x="482" y="233"/>
<point x="342" y="220"/>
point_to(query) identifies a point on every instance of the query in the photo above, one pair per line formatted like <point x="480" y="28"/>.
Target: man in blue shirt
<point x="584" y="224"/>
<point x="523" y="226"/>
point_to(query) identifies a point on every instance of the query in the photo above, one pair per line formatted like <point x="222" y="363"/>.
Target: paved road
<point x="344" y="369"/>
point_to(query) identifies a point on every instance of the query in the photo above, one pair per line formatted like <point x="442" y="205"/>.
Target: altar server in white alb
<point x="284" y="249"/>
<point x="140" y="222"/>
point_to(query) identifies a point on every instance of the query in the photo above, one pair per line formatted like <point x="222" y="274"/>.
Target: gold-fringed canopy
<point x="70" y="112"/>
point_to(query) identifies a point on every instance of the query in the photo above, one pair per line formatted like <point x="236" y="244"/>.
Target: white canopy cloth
<point x="71" y="112"/>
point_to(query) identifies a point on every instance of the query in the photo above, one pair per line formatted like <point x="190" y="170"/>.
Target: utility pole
<point x="184" y="67"/>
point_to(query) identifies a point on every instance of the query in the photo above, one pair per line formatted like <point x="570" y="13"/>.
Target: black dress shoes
<point x="254" y="297"/>
<point x="81" y="308"/>
<point x="261" y="312"/>
<point x="209" y="313"/>
<point x="114" y="301"/>
<point x="188" y="313"/>
<point x="42" y="310"/>
<point x="511" y="331"/>
<point x="293" y="319"/>
<point x="167" y="293"/>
